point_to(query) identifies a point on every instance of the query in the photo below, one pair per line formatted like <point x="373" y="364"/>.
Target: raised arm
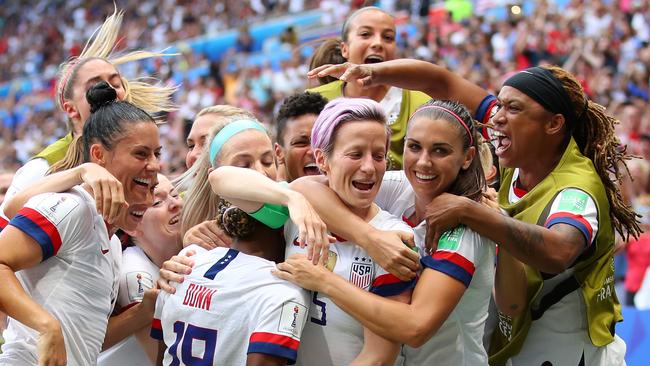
<point x="387" y="248"/>
<point x="107" y="190"/>
<point x="436" y="81"/>
<point x="248" y="188"/>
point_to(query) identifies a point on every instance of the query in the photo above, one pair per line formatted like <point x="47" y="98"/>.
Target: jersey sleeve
<point x="484" y="113"/>
<point x="392" y="186"/>
<point x="456" y="255"/>
<point x="137" y="276"/>
<point x="156" y="325"/>
<point x="575" y="207"/>
<point x="54" y="220"/>
<point x="280" y="324"/>
<point x="386" y="284"/>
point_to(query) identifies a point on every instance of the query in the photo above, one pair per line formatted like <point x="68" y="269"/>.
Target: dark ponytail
<point x="106" y="125"/>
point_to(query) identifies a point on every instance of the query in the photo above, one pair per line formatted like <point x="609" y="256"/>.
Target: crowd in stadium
<point x="451" y="127"/>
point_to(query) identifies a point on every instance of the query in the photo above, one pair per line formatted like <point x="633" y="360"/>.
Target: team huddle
<point x="399" y="215"/>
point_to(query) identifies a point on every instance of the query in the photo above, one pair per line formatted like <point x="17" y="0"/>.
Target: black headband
<point x="544" y="88"/>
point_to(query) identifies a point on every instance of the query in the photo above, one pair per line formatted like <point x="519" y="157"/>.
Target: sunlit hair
<point x="340" y="111"/>
<point x="469" y="182"/>
<point x="201" y="204"/>
<point x="148" y="97"/>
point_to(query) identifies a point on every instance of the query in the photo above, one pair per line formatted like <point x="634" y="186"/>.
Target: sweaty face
<point x="357" y="163"/>
<point x="197" y="136"/>
<point x="249" y="149"/>
<point x="134" y="161"/>
<point x="296" y="151"/>
<point x="89" y="74"/>
<point x="433" y="156"/>
<point x="371" y="38"/>
<point x="519" y="128"/>
<point x="160" y="225"/>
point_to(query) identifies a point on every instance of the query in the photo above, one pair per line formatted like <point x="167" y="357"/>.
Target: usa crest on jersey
<point x="361" y="273"/>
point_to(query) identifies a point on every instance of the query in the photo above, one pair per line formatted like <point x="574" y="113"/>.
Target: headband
<point x="543" y="87"/>
<point x="64" y="80"/>
<point x="460" y="120"/>
<point x="230" y="130"/>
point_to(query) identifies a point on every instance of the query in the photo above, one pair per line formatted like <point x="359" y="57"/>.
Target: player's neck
<point x="264" y="243"/>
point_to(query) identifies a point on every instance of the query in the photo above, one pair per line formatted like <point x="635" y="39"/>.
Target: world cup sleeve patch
<point x="137" y="283"/>
<point x="57" y="207"/>
<point x="572" y="200"/>
<point x="450" y="240"/>
<point x="292" y="318"/>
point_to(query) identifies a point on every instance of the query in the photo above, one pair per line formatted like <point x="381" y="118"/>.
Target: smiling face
<point x="433" y="156"/>
<point x="160" y="227"/>
<point x="519" y="126"/>
<point x="134" y="161"/>
<point x="89" y="74"/>
<point x="296" y="152"/>
<point x="370" y="38"/>
<point x="249" y="149"/>
<point x="356" y="164"/>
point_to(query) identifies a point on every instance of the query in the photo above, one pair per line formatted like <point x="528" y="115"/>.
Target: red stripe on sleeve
<point x="275" y="339"/>
<point x="578" y="218"/>
<point x="456" y="259"/>
<point x="155" y="324"/>
<point x="45" y="224"/>
<point x="3" y="223"/>
<point x="385" y="279"/>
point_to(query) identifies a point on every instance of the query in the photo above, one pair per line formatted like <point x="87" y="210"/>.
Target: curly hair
<point x="594" y="133"/>
<point x="297" y="105"/>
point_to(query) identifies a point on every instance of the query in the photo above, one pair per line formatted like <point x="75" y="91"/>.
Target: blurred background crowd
<point x="254" y="53"/>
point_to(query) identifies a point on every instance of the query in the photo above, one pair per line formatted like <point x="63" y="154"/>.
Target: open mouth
<point x="373" y="59"/>
<point x="144" y="182"/>
<point x="174" y="220"/>
<point x="363" y="186"/>
<point x="311" y="169"/>
<point x="503" y="142"/>
<point x="424" y="177"/>
<point x="137" y="214"/>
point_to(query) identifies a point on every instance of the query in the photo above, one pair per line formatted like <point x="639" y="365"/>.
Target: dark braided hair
<point x="594" y="133"/>
<point x="234" y="221"/>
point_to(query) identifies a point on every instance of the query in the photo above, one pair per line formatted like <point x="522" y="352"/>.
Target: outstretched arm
<point x="434" y="298"/>
<point x="436" y="81"/>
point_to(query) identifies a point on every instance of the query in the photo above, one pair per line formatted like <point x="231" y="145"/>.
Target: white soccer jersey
<point x="138" y="274"/>
<point x="463" y="255"/>
<point x="75" y="282"/>
<point x="32" y="171"/>
<point x="571" y="206"/>
<point x="331" y="336"/>
<point x="229" y="306"/>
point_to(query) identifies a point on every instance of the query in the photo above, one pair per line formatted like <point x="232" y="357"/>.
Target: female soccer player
<point x="562" y="159"/>
<point x="59" y="246"/>
<point x="231" y="301"/>
<point x="350" y="142"/>
<point x="445" y="320"/>
<point x="95" y="63"/>
<point x="368" y="36"/>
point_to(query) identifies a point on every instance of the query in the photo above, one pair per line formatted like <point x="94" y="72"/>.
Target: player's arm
<point x="161" y="353"/>
<point x="107" y="190"/>
<point x="433" y="80"/>
<point x="435" y="296"/>
<point x="261" y="359"/>
<point x="130" y="321"/>
<point x="386" y="248"/>
<point x="20" y="251"/>
<point x="510" y="285"/>
<point x="379" y="351"/>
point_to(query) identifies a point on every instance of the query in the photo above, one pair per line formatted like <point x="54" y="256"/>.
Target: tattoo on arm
<point x="526" y="239"/>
